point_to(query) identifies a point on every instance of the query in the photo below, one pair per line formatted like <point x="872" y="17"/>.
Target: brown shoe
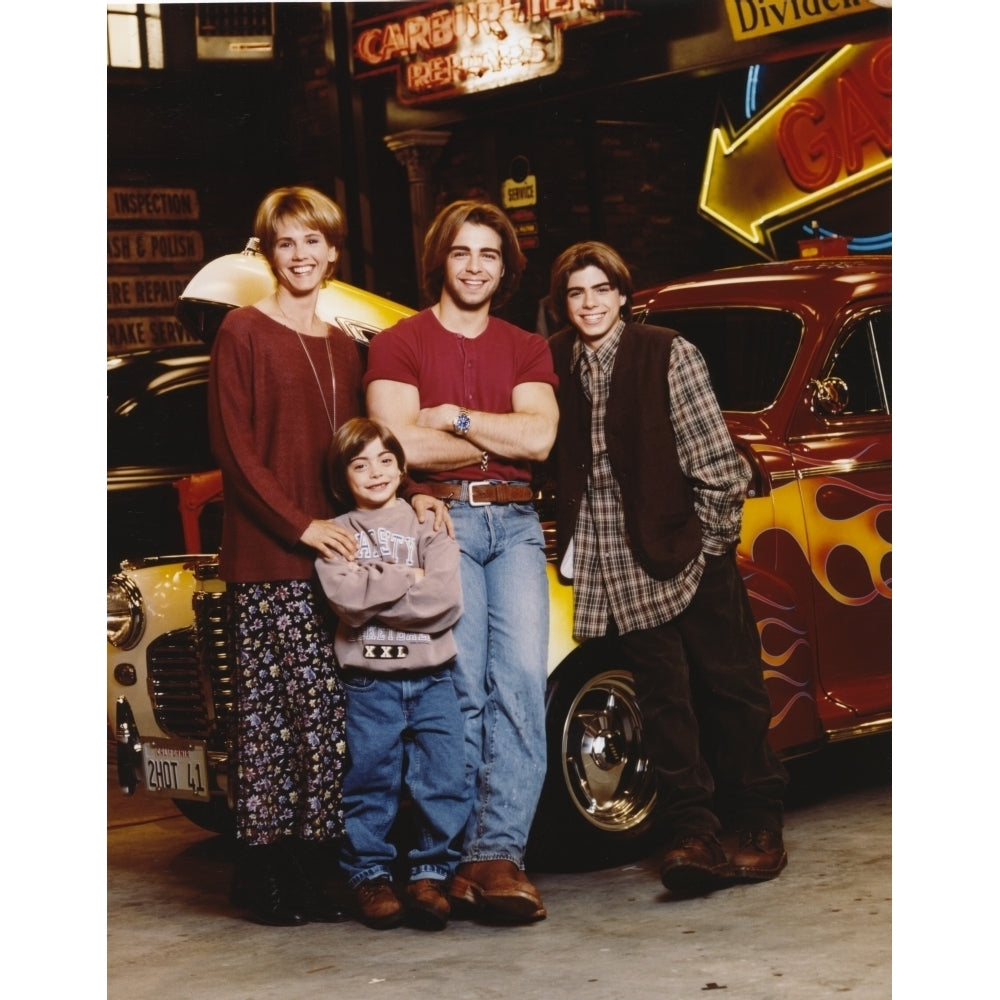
<point x="760" y="855"/>
<point x="695" y="863"/>
<point x="427" y="903"/>
<point x="378" y="903"/>
<point x="500" y="888"/>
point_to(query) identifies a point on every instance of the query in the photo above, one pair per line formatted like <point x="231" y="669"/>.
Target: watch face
<point x="462" y="423"/>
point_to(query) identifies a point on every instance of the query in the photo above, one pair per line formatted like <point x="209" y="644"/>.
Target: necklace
<point x="331" y="418"/>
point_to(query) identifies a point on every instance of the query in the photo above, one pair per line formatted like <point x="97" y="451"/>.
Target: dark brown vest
<point x="660" y="520"/>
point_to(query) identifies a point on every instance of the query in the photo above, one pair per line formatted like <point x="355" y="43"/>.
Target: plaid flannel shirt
<point x="608" y="582"/>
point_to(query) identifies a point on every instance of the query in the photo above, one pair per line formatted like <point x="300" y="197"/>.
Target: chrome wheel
<point x="606" y="772"/>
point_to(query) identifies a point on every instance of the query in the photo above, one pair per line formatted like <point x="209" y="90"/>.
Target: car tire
<point x="598" y="805"/>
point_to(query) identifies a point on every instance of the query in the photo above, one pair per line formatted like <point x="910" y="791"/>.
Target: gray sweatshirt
<point x="390" y="620"/>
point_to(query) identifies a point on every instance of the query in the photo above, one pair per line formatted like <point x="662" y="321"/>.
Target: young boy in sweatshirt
<point x="397" y="602"/>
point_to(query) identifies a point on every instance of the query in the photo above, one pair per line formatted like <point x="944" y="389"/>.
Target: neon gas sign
<point x="448" y="49"/>
<point x="827" y="139"/>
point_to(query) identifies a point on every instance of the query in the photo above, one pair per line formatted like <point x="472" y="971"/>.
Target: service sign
<point x="449" y="49"/>
<point x="519" y="193"/>
<point x="141" y="332"/>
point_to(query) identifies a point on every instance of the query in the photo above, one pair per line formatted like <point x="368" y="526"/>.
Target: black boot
<point x="264" y="885"/>
<point x="317" y="881"/>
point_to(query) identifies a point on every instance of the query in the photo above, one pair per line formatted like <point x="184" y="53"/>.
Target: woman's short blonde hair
<point x="307" y="206"/>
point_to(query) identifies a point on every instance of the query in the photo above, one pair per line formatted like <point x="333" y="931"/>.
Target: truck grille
<point x="190" y="676"/>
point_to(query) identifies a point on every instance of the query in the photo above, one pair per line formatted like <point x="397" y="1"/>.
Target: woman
<point x="281" y="382"/>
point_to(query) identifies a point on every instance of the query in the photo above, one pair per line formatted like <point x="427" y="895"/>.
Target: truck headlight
<point x="126" y="617"/>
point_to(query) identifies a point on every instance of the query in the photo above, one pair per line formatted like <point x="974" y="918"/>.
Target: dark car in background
<point x="156" y="436"/>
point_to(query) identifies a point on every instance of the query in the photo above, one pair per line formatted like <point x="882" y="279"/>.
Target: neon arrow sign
<point x="828" y="138"/>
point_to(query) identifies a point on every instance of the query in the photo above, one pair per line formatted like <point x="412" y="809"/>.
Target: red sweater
<point x="270" y="433"/>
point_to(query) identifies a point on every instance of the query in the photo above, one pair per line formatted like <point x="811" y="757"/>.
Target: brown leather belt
<point x="480" y="493"/>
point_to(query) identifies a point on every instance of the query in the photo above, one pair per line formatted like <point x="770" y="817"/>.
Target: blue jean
<point x="403" y="732"/>
<point x="500" y="673"/>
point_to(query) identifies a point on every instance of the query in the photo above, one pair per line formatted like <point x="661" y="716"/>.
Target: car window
<point x="749" y="351"/>
<point x="864" y="362"/>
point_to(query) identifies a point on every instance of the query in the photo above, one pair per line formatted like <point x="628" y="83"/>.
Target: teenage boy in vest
<point x="650" y="493"/>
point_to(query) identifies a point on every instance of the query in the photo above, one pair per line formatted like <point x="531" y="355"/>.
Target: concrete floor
<point x="822" y="929"/>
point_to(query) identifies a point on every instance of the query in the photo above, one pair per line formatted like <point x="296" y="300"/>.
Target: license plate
<point x="177" y="768"/>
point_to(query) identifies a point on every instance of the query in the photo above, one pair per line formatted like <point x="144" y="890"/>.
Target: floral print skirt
<point x="291" y="749"/>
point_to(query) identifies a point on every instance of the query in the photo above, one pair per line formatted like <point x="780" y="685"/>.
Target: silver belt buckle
<point x="479" y="503"/>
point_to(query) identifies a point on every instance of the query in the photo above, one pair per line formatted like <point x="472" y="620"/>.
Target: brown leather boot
<point x="379" y="906"/>
<point x="427" y="903"/>
<point x="695" y="863"/>
<point x="760" y="855"/>
<point x="500" y="888"/>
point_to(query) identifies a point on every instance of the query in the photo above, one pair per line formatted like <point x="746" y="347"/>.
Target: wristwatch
<point x="462" y="422"/>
